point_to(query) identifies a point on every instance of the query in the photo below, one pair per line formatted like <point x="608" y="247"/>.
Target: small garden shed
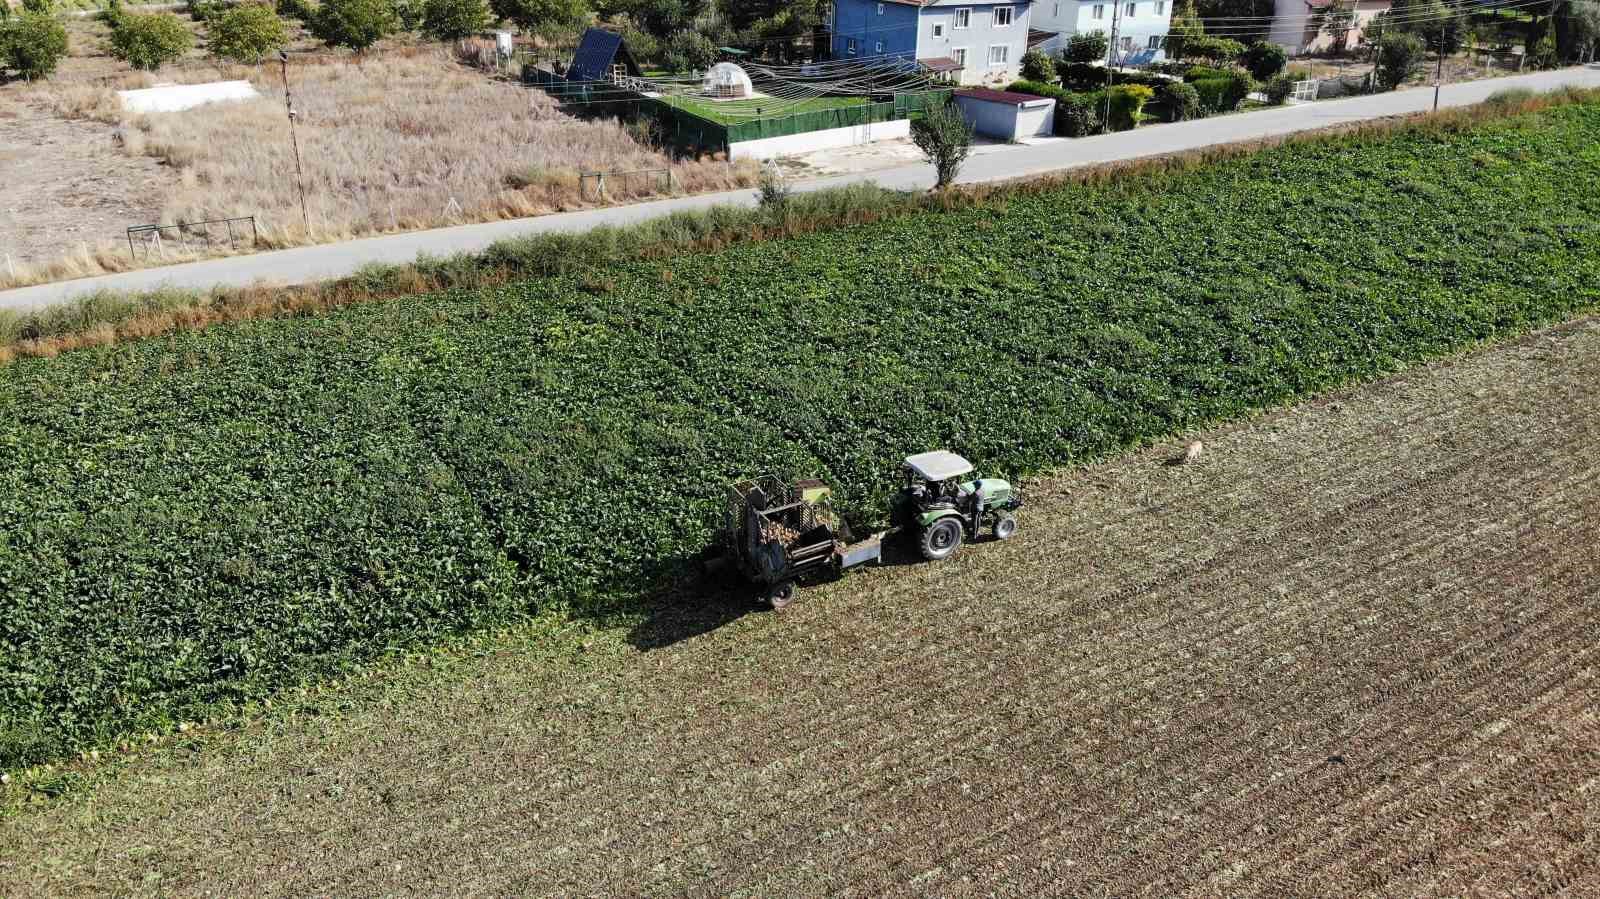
<point x="1006" y="115"/>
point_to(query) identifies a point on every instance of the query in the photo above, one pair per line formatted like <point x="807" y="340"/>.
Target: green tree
<point x="1544" y="53"/>
<point x="1246" y="20"/>
<point x="534" y="16"/>
<point x="1583" y="24"/>
<point x="1263" y="60"/>
<point x="1037" y="67"/>
<point x="1278" y="88"/>
<point x="1127" y="105"/>
<point x="247" y="33"/>
<point x="688" y="51"/>
<point x="357" y="24"/>
<point x="32" y="43"/>
<point x="452" y="20"/>
<point x="42" y="7"/>
<point x="945" y="139"/>
<point x="1337" y="21"/>
<point x="149" y="41"/>
<point x="1087" y="47"/>
<point x="1399" y="54"/>
<point x="1181" y="100"/>
<point x="1185" y="32"/>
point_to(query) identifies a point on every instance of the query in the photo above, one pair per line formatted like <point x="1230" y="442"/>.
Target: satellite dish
<point x="726" y="79"/>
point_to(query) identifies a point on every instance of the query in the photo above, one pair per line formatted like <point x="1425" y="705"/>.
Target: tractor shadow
<point x="693" y="603"/>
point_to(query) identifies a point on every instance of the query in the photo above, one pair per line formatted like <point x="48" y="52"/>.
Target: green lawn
<point x="733" y="112"/>
<point x="211" y="515"/>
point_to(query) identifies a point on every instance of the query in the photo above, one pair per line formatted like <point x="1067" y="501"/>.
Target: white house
<point x="1296" y="24"/>
<point x="1140" y="24"/>
<point x="976" y="42"/>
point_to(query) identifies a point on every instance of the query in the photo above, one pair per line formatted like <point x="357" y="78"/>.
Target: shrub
<point x="33" y="44"/>
<point x="1203" y="73"/>
<point x="1214" y="50"/>
<point x="207" y="11"/>
<point x="357" y="24"/>
<point x="1399" y="54"/>
<point x="1263" y="60"/>
<point x="1181" y="100"/>
<point x="774" y="190"/>
<point x="299" y="10"/>
<point x="543" y="15"/>
<point x="1127" y="105"/>
<point x="1544" y="54"/>
<point x="41" y="7"/>
<point x="1037" y="67"/>
<point x="451" y="20"/>
<point x="411" y="14"/>
<point x="1278" y="88"/>
<point x="247" y="33"/>
<point x="149" y="41"/>
<point x="1081" y="75"/>
<point x="945" y="139"/>
<point x="1087" y="47"/>
<point x="1080" y="114"/>
<point x="688" y="51"/>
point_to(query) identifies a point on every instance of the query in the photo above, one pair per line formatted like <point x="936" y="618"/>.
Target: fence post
<point x="131" y="254"/>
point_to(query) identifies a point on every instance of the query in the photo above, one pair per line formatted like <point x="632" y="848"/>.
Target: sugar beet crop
<point x="210" y="515"/>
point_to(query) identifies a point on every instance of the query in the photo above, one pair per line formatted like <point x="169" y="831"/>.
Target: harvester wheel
<point x="941" y="539"/>
<point x="1004" y="527"/>
<point x="781" y="595"/>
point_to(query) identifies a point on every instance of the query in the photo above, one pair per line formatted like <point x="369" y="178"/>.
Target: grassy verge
<point x="200" y="519"/>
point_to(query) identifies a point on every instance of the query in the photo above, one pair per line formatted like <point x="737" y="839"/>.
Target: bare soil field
<point x="1350" y="651"/>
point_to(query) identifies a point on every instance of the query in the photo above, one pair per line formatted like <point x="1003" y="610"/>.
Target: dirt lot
<point x="1352" y="650"/>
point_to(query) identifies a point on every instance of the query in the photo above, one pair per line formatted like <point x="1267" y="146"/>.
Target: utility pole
<point x="1111" y="54"/>
<point x="299" y="174"/>
<point x="1438" y="75"/>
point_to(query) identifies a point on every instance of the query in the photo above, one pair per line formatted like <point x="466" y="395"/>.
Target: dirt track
<point x="1351" y="650"/>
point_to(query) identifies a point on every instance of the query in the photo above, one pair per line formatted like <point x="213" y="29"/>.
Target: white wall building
<point x="1143" y="24"/>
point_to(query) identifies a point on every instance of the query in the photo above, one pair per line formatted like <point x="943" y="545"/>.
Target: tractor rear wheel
<point x="941" y="539"/>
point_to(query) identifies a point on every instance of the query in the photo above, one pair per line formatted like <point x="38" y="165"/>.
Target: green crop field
<point x="211" y="515"/>
<point x="733" y="112"/>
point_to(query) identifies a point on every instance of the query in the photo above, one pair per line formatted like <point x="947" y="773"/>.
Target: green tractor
<point x="940" y="511"/>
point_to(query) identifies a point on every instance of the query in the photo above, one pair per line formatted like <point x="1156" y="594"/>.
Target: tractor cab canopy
<point x="939" y="465"/>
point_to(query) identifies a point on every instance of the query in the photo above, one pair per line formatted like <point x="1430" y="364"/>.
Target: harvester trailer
<point x="779" y="534"/>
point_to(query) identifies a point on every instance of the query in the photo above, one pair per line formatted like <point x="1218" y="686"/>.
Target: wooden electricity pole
<point x="299" y="173"/>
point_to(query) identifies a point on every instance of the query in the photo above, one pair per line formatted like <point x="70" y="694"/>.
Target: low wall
<point x="790" y="144"/>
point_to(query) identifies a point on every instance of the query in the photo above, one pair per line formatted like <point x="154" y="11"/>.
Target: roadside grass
<point x="109" y="316"/>
<point x="196" y="520"/>
<point x="401" y="142"/>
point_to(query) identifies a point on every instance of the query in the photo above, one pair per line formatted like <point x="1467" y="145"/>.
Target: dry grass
<point x="411" y="140"/>
<point x="1342" y="678"/>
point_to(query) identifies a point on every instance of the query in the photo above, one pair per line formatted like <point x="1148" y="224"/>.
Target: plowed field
<point x="1351" y="650"/>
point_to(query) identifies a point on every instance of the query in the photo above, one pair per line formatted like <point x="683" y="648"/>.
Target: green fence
<point x="687" y="132"/>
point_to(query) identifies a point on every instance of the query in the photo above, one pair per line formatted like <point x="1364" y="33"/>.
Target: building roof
<point x="940" y="64"/>
<point x="991" y="96"/>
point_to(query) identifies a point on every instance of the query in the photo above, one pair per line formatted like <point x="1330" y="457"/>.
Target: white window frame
<point x="850" y="48"/>
<point x="961" y="18"/>
<point x="959" y="54"/>
<point x="880" y="9"/>
<point x="1005" y="50"/>
<point x="1157" y="42"/>
<point x="1161" y="7"/>
<point x="938" y="29"/>
<point x="1127" y="43"/>
<point x="1098" y="12"/>
<point x="1128" y="10"/>
<point x="878" y="48"/>
<point x="1011" y="16"/>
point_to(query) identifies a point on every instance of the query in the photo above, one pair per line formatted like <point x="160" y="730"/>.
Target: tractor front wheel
<point x="941" y="539"/>
<point x="1004" y="527"/>
<point x="781" y="595"/>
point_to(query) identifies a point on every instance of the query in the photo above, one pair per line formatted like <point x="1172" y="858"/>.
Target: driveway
<point x="317" y="263"/>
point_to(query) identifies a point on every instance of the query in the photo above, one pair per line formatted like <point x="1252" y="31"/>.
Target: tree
<point x="1337" y="21"/>
<point x="452" y="20"/>
<point x="41" y="7"/>
<point x="247" y="33"/>
<point x="1246" y="20"/>
<point x="1278" y="88"/>
<point x="1399" y="54"/>
<point x="357" y="24"/>
<point x="1037" y="67"/>
<point x="1181" y="100"/>
<point x="1263" y="60"/>
<point x="1087" y="47"/>
<point x="32" y="43"/>
<point x="149" y="41"/>
<point x="1186" y="30"/>
<point x="688" y="51"/>
<point x="1543" y="54"/>
<point x="945" y="139"/>
<point x="1583" y="24"/>
<point x="1127" y="105"/>
<point x="533" y="16"/>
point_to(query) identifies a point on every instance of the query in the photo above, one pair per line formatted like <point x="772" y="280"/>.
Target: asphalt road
<point x="317" y="263"/>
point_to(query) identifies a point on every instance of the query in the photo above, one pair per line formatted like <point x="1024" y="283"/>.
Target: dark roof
<point x="1012" y="97"/>
<point x="940" y="64"/>
<point x="597" y="51"/>
<point x="1037" y="37"/>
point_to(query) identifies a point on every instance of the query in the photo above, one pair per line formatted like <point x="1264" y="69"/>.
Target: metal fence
<point x="659" y="180"/>
<point x="189" y="237"/>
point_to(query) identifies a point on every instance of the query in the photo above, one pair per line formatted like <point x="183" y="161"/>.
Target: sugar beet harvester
<point x="780" y="534"/>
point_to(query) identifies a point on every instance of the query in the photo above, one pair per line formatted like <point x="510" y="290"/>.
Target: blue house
<point x="976" y="43"/>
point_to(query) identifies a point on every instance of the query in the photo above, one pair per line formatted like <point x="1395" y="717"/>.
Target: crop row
<point x="208" y="516"/>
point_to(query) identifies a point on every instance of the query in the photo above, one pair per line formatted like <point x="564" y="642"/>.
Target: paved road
<point x="308" y="264"/>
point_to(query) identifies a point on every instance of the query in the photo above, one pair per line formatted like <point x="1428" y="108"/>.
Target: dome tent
<point x="727" y="80"/>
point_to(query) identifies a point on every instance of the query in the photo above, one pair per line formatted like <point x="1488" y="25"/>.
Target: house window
<point x="1156" y="41"/>
<point x="963" y="18"/>
<point x="959" y="54"/>
<point x="1002" y="16"/>
<point x="1161" y="7"/>
<point x="850" y="46"/>
<point x="999" y="55"/>
<point x="1129" y="9"/>
<point x="878" y="48"/>
<point x="1127" y="44"/>
<point x="938" y="29"/>
<point x="1099" y="11"/>
<point x="880" y="9"/>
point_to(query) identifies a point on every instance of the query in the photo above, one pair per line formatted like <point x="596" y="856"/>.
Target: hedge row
<point x="211" y="515"/>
